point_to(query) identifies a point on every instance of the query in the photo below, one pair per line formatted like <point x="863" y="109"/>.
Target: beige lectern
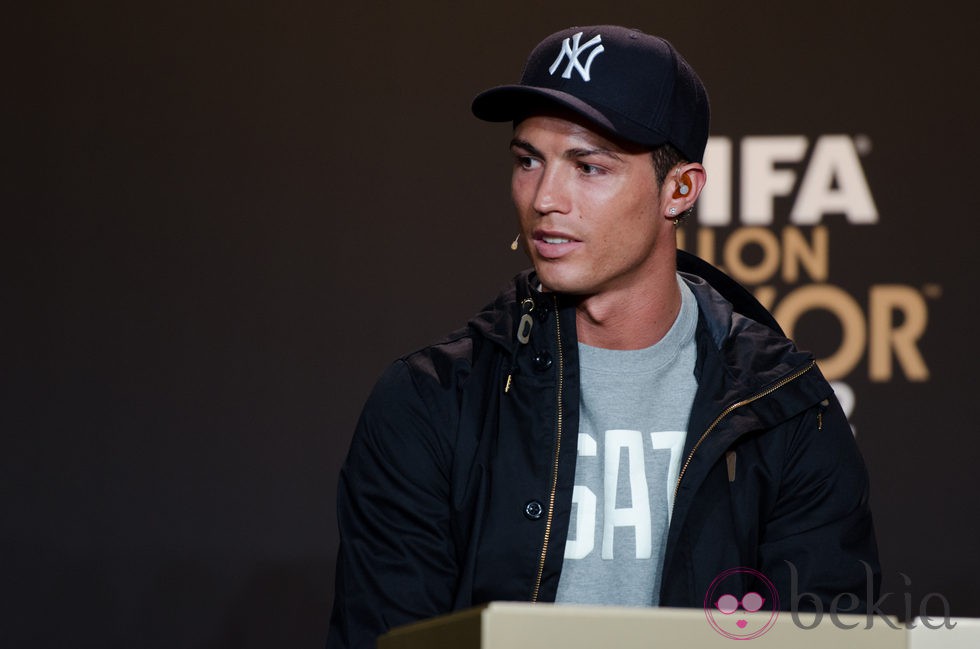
<point x="510" y="625"/>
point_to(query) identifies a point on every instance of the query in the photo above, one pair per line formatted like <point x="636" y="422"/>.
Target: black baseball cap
<point x="633" y="85"/>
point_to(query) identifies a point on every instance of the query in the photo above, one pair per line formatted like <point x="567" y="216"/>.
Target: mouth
<point x="551" y="245"/>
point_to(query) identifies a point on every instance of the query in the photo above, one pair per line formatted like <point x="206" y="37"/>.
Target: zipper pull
<point x="524" y="328"/>
<point x="523" y="337"/>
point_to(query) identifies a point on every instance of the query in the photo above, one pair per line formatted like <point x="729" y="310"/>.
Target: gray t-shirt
<point x="635" y="406"/>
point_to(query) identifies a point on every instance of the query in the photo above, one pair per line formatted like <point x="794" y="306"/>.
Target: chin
<point x="560" y="282"/>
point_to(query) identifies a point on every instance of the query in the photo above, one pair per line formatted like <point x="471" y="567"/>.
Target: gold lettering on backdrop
<point x="790" y="255"/>
<point x="738" y="242"/>
<point x="847" y="311"/>
<point x="884" y="301"/>
<point x="897" y="315"/>
<point x="798" y="253"/>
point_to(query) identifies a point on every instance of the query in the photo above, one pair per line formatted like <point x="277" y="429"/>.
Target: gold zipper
<point x="727" y="411"/>
<point x="554" y="474"/>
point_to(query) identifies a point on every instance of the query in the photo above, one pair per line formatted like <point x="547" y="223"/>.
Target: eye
<point x="527" y="162"/>
<point x="589" y="169"/>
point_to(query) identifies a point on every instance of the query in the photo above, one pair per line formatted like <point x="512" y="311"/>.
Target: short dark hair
<point x="665" y="158"/>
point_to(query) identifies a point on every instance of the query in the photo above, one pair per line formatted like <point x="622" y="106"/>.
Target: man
<point x="609" y="430"/>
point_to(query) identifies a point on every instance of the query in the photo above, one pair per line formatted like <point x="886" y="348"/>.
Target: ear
<point x="683" y="186"/>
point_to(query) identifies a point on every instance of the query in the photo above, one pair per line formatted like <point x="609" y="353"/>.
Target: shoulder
<point x="427" y="383"/>
<point x="450" y="360"/>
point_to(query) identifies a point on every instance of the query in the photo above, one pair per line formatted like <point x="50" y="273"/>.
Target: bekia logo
<point x="743" y="604"/>
<point x="572" y="48"/>
<point x="738" y="610"/>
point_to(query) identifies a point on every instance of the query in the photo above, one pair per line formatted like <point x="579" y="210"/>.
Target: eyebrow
<point x="578" y="152"/>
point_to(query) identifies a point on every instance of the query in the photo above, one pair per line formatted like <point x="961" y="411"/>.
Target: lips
<point x="550" y="244"/>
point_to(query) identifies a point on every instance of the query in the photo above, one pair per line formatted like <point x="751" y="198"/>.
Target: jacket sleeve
<point x="818" y="543"/>
<point x="396" y="561"/>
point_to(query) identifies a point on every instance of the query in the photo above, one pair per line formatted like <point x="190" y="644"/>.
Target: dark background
<point x="223" y="220"/>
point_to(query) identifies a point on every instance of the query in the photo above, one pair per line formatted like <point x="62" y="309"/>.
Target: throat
<point x="634" y="323"/>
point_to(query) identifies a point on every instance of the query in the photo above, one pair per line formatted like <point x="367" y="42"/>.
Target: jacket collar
<point x="498" y="320"/>
<point x="743" y="335"/>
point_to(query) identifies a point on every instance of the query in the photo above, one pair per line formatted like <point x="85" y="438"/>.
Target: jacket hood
<point x="737" y="295"/>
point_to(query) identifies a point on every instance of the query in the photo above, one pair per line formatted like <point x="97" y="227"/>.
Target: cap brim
<point x="507" y="103"/>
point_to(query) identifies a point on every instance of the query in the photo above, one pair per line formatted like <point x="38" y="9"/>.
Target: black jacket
<point x="458" y="486"/>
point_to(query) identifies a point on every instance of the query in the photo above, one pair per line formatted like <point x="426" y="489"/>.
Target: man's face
<point x="590" y="210"/>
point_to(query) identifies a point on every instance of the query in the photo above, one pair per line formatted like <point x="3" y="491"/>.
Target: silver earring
<point x="678" y="218"/>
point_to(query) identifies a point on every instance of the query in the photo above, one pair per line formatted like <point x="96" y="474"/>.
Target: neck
<point x="633" y="318"/>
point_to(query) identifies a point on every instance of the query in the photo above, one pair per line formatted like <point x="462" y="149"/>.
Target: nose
<point x="550" y="194"/>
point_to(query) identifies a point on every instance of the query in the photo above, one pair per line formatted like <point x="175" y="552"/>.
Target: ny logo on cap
<point x="572" y="50"/>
